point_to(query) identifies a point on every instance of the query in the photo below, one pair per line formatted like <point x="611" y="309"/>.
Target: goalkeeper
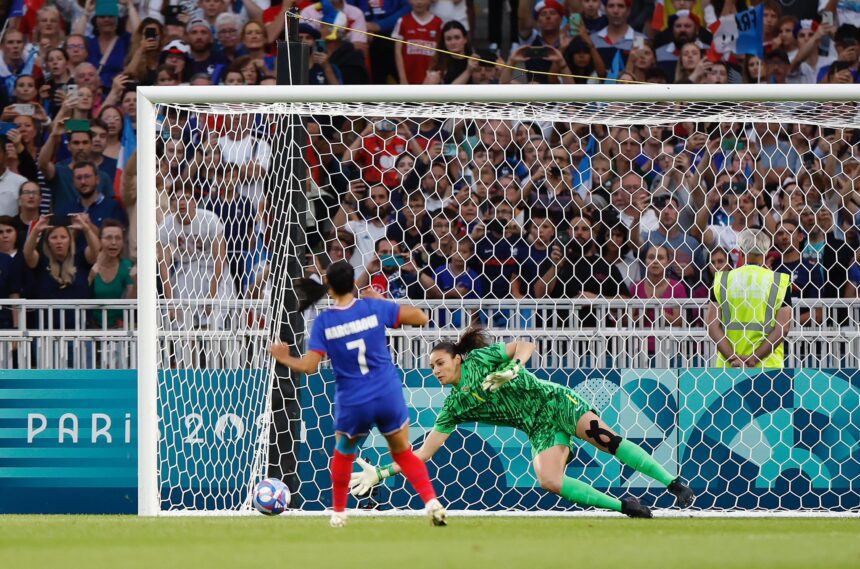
<point x="491" y="386"/>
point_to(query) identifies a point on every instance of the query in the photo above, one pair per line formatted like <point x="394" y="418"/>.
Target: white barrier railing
<point x="569" y="334"/>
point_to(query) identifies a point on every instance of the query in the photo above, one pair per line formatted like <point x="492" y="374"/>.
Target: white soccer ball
<point x="271" y="497"/>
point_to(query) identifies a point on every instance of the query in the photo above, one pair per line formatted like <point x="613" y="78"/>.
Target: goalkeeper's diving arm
<point x="362" y="482"/>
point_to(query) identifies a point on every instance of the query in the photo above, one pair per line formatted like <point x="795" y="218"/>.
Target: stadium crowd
<point x="423" y="208"/>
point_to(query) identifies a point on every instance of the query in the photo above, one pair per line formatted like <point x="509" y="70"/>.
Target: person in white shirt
<point x="10" y="185"/>
<point x="240" y="146"/>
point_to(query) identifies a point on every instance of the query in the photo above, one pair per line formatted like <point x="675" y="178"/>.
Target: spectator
<point x="778" y="66"/>
<point x="532" y="257"/>
<point x="827" y="253"/>
<point x="113" y="121"/>
<point x="97" y="206"/>
<point x="227" y="28"/>
<point x="320" y="69"/>
<point x="18" y="58"/>
<point x="806" y="280"/>
<point x="807" y="62"/>
<point x="366" y="216"/>
<point x="108" y="48"/>
<point x="87" y="77"/>
<point x="238" y="216"/>
<point x="580" y="272"/>
<point x="375" y="150"/>
<point x="241" y="146"/>
<point x="740" y="206"/>
<point x="455" y="279"/>
<point x="641" y="61"/>
<point x="233" y="77"/>
<point x="657" y="284"/>
<point x="671" y="236"/>
<point x="540" y="49"/>
<point x="550" y="190"/>
<point x="10" y="184"/>
<point x="412" y="225"/>
<point x="204" y="58"/>
<point x="390" y="272"/>
<point x="100" y="135"/>
<point x="76" y="47"/>
<point x="54" y="90"/>
<point x="845" y="68"/>
<point x="176" y="55"/>
<point x="753" y="69"/>
<point x="343" y="53"/>
<point x="49" y="32"/>
<point x="28" y="211"/>
<point x="11" y="271"/>
<point x="583" y="60"/>
<point x="685" y="29"/>
<point x="379" y="18"/>
<point x="718" y="261"/>
<point x="59" y="175"/>
<point x="254" y="44"/>
<point x="61" y="269"/>
<point x="617" y="36"/>
<point x="146" y="44"/>
<point x="630" y="201"/>
<point x="498" y="249"/>
<point x="354" y="17"/>
<point x="113" y="276"/>
<point x="192" y="262"/>
<point x="691" y="66"/>
<point x="418" y="27"/>
<point x="447" y="69"/>
<point x="619" y="253"/>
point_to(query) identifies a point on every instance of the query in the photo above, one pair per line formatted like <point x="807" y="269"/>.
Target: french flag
<point x="658" y="20"/>
<point x="26" y="9"/>
<point x="738" y="33"/>
<point x="128" y="145"/>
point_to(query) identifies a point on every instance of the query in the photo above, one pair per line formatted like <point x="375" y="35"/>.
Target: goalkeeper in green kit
<point x="490" y="385"/>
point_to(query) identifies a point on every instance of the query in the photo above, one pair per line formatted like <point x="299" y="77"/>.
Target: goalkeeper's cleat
<point x="632" y="508"/>
<point x="338" y="520"/>
<point x="683" y="495"/>
<point x="436" y="513"/>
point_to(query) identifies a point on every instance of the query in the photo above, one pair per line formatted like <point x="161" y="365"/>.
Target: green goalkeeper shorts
<point x="557" y="423"/>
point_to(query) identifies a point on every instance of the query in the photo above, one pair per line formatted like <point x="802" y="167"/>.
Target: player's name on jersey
<point x="350" y="328"/>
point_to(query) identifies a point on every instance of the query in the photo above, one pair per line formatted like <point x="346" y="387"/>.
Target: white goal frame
<point x="148" y="97"/>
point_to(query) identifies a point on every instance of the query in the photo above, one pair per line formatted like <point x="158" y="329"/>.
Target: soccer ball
<point x="271" y="497"/>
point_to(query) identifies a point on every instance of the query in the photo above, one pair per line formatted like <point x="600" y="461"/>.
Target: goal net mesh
<point x="595" y="230"/>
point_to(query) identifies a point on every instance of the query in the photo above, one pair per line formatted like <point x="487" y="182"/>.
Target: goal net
<point x="593" y="222"/>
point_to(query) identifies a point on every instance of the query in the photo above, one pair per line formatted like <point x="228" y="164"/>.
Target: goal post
<point x="204" y="377"/>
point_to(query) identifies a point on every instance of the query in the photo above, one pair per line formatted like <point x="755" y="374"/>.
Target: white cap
<point x="754" y="242"/>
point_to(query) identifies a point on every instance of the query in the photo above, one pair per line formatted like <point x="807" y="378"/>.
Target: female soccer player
<point x="369" y="389"/>
<point x="491" y="386"/>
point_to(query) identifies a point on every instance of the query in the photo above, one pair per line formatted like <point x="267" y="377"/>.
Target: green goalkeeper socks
<point x="636" y="458"/>
<point x="584" y="495"/>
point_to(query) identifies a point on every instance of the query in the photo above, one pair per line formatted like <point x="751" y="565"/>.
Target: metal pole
<point x="289" y="206"/>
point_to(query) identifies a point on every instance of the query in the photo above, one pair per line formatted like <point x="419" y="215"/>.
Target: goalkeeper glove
<point x="361" y="483"/>
<point x="501" y="376"/>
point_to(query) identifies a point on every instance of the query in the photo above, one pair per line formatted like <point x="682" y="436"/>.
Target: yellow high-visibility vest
<point x="747" y="300"/>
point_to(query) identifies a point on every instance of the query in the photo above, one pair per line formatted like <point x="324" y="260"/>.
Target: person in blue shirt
<point x="369" y="390"/>
<point x="381" y="17"/>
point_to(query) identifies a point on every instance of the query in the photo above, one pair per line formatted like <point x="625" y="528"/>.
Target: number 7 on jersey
<point x="362" y="359"/>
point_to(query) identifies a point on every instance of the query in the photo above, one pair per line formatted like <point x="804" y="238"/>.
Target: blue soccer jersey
<point x="353" y="337"/>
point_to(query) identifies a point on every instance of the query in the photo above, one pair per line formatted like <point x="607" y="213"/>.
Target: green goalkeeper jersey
<point x="526" y="402"/>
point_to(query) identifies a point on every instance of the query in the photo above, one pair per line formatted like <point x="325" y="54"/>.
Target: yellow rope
<point x="472" y="57"/>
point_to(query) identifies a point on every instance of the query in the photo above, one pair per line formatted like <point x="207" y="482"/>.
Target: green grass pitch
<point x="93" y="542"/>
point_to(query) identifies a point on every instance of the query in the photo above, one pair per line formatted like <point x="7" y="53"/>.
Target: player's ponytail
<point x="309" y="292"/>
<point x="340" y="277"/>
<point x="474" y="338"/>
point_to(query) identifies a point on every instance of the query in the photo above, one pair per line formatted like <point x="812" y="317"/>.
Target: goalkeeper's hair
<point x="474" y="338"/>
<point x="340" y="277"/>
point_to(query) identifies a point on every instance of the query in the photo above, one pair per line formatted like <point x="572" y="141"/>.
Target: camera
<point x="554" y="171"/>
